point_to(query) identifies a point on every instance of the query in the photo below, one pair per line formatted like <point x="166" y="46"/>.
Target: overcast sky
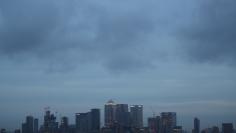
<point x="73" y="55"/>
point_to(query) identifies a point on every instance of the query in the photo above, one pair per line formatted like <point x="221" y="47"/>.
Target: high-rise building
<point x="24" y="128"/>
<point x="36" y="125"/>
<point x="50" y="125"/>
<point x="64" y="126"/>
<point x="109" y="113"/>
<point x="82" y="122"/>
<point x="28" y="126"/>
<point x="64" y="122"/>
<point x="136" y="116"/>
<point x="168" y="122"/>
<point x="227" y="128"/>
<point x="196" y="128"/>
<point x="122" y="114"/>
<point x="94" y="123"/>
<point x="215" y="129"/>
<point x="88" y="122"/>
<point x="154" y="124"/>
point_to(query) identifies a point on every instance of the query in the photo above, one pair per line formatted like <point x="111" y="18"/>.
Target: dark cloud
<point x="211" y="36"/>
<point x="120" y="35"/>
<point x="88" y="31"/>
<point x="26" y="25"/>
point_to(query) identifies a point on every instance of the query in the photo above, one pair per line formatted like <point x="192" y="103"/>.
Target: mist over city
<point x="165" y="66"/>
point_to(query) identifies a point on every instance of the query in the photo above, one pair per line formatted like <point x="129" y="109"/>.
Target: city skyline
<point x="60" y="119"/>
<point x="74" y="55"/>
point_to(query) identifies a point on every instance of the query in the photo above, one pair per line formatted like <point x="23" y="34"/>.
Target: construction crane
<point x="153" y="112"/>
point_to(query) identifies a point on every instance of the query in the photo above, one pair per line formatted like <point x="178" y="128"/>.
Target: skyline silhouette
<point x="59" y="117"/>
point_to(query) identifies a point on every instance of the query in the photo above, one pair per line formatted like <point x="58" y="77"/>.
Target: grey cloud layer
<point x="122" y="35"/>
<point x="212" y="34"/>
<point x="88" y="30"/>
<point x="25" y="25"/>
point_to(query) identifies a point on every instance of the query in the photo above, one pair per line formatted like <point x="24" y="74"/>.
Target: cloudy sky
<point x="75" y="55"/>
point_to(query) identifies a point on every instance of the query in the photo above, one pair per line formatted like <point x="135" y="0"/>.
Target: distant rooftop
<point x="110" y="102"/>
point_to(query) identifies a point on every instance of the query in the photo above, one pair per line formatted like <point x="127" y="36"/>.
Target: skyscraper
<point x="196" y="128"/>
<point x="50" y="125"/>
<point x="154" y="124"/>
<point x="168" y="122"/>
<point x="215" y="129"/>
<point x="64" y="126"/>
<point x="88" y="122"/>
<point x="122" y="114"/>
<point x="82" y="122"/>
<point x="36" y="125"/>
<point x="227" y="128"/>
<point x="28" y="126"/>
<point x="24" y="128"/>
<point x="94" y="121"/>
<point x="64" y="122"/>
<point x="109" y="113"/>
<point x="136" y="116"/>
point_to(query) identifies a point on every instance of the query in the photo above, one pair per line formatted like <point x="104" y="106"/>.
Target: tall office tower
<point x="64" y="122"/>
<point x="64" y="127"/>
<point x="168" y="122"/>
<point x="30" y="124"/>
<point x="136" y="116"/>
<point x="122" y="115"/>
<point x="24" y="128"/>
<point x="109" y="113"/>
<point x="94" y="122"/>
<point x="50" y="125"/>
<point x="196" y="128"/>
<point x="154" y="124"/>
<point x="82" y="122"/>
<point x="227" y="128"/>
<point x="215" y="129"/>
<point x="36" y="125"/>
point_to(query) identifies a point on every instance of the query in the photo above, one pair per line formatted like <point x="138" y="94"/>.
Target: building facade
<point x="122" y="114"/>
<point x="168" y="122"/>
<point x="94" y="120"/>
<point x="110" y="113"/>
<point x="196" y="128"/>
<point x="136" y="116"/>
<point x="227" y="128"/>
<point x="82" y="122"/>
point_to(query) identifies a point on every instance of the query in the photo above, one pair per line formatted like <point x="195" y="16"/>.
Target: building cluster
<point x="118" y="118"/>
<point x="226" y="128"/>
